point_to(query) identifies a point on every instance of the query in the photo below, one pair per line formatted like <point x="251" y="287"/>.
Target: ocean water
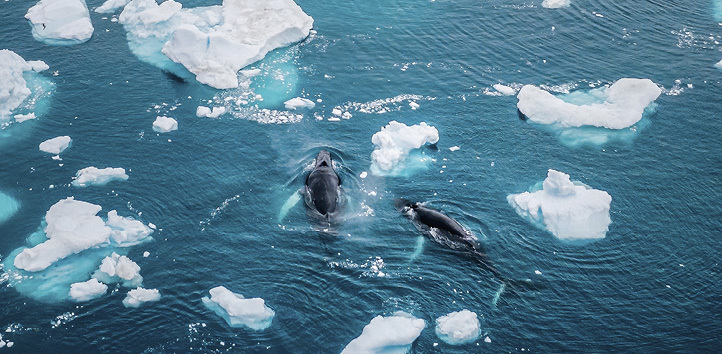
<point x="215" y="187"/>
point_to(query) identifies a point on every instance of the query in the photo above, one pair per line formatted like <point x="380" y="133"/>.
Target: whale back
<point x="322" y="185"/>
<point x="435" y="219"/>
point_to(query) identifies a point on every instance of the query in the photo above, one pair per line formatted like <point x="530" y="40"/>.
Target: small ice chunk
<point x="454" y="148"/>
<point x="60" y="21"/>
<point x="23" y="117"/>
<point x="555" y="4"/>
<point x="413" y="105"/>
<point x="615" y="107"/>
<point x="391" y="334"/>
<point x="346" y="115"/>
<point x="164" y="124"/>
<point x="504" y="90"/>
<point x="111" y="6"/>
<point x="146" y="254"/>
<point x="299" y="102"/>
<point x="56" y="145"/>
<point x="363" y="174"/>
<point x="458" y="327"/>
<point x="239" y="311"/>
<point x="569" y="211"/>
<point x="537" y="272"/>
<point x="718" y="65"/>
<point x="88" y="290"/>
<point x="138" y="296"/>
<point x="93" y="176"/>
<point x="126" y="232"/>
<point x="487" y="340"/>
<point x="395" y="141"/>
<point x="119" y="269"/>
<point x="203" y="111"/>
<point x="336" y="112"/>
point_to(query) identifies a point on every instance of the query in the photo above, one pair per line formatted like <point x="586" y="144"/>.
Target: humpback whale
<point x="323" y="186"/>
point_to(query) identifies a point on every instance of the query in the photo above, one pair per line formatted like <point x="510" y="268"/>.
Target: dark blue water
<point x="215" y="187"/>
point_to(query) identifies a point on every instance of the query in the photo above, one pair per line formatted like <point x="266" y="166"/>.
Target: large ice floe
<point x="394" y="143"/>
<point x="239" y="311"/>
<point x="212" y="42"/>
<point x="73" y="243"/>
<point x="594" y="116"/>
<point x="390" y="335"/>
<point x="8" y="207"/>
<point x="458" y="327"/>
<point x="93" y="176"/>
<point x="571" y="211"/>
<point x="60" y="22"/>
<point x="20" y="87"/>
<point x="555" y="4"/>
<point x="55" y="145"/>
<point x="138" y="296"/>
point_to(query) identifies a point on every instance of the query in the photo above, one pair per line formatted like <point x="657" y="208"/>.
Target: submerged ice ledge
<point x="14" y="90"/>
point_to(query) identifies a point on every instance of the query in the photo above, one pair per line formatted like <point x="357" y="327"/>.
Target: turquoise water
<point x="215" y="187"/>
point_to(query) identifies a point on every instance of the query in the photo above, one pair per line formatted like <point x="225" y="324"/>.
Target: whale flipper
<point x="290" y="203"/>
<point x="419" y="248"/>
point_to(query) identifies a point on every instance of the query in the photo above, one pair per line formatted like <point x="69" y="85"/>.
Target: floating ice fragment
<point x="454" y="148"/>
<point x="203" y="111"/>
<point x="165" y="124"/>
<point x="555" y="4"/>
<point x="395" y="141"/>
<point x="93" y="176"/>
<point x="391" y="334"/>
<point x="60" y="22"/>
<point x="569" y="211"/>
<point x="23" y="117"/>
<point x="239" y="311"/>
<point x="413" y="105"/>
<point x="458" y="327"/>
<point x="504" y="90"/>
<point x="487" y="340"/>
<point x="111" y="6"/>
<point x="119" y="269"/>
<point x="363" y="174"/>
<point x="88" y="290"/>
<point x="55" y="145"/>
<point x="299" y="102"/>
<point x="146" y="254"/>
<point x="138" y="296"/>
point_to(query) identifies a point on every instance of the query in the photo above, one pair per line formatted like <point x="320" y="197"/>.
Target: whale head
<point x="323" y="159"/>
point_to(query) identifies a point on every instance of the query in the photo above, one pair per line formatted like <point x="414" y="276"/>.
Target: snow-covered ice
<point x="23" y="117"/>
<point x="55" y="145"/>
<point x="618" y="106"/>
<point x="395" y="141"/>
<point x="60" y="21"/>
<point x="299" y="102"/>
<point x="138" y="296"/>
<point x="164" y="124"/>
<point x="111" y="6"/>
<point x="569" y="210"/>
<point x="13" y="86"/>
<point x="389" y="335"/>
<point x="119" y="269"/>
<point x="458" y="327"/>
<point x="93" y="176"/>
<point x="504" y="90"/>
<point x="555" y="4"/>
<point x="88" y="290"/>
<point x="213" y="42"/>
<point x="203" y="111"/>
<point x="239" y="311"/>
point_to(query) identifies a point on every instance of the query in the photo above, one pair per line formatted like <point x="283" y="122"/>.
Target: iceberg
<point x="458" y="327"/>
<point x="239" y="311"/>
<point x="618" y="106"/>
<point x="395" y="141"/>
<point x="13" y="84"/>
<point x="555" y="4"/>
<point x="60" y="22"/>
<point x="119" y="269"/>
<point x="93" y="176"/>
<point x="165" y="124"/>
<point x="214" y="42"/>
<point x="88" y="290"/>
<point x="389" y="335"/>
<point x="138" y="296"/>
<point x="56" y="145"/>
<point x="111" y="6"/>
<point x="299" y="102"/>
<point x="569" y="210"/>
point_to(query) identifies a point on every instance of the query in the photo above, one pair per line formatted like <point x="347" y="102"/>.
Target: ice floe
<point x="13" y="84"/>
<point x="395" y="141"/>
<point x="458" y="327"/>
<point x="615" y="107"/>
<point x="111" y="6"/>
<point x="504" y="90"/>
<point x="138" y="296"/>
<point x="93" y="176"/>
<point x="8" y="207"/>
<point x="299" y="102"/>
<point x="164" y="124"/>
<point x="239" y="311"/>
<point x="55" y="145"/>
<point x="203" y="111"/>
<point x="60" y="21"/>
<point x="569" y="210"/>
<point x="119" y="269"/>
<point x="555" y="4"/>
<point x="212" y="42"/>
<point x="390" y="334"/>
<point x="88" y="290"/>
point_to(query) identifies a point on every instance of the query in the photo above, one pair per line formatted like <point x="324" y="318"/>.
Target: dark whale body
<point x="323" y="186"/>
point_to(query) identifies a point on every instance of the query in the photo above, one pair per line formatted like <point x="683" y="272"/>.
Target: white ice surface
<point x="504" y="90"/>
<point x="55" y="145"/>
<point x="203" y="111"/>
<point x="555" y="4"/>
<point x="570" y="211"/>
<point x="299" y="102"/>
<point x="111" y="6"/>
<point x="388" y="335"/>
<point x="93" y="176"/>
<point x="60" y="21"/>
<point x="615" y="107"/>
<point x="394" y="142"/>
<point x="88" y="290"/>
<point x="13" y="86"/>
<point x="119" y="269"/>
<point x="138" y="296"/>
<point x="165" y="124"/>
<point x="239" y="311"/>
<point x="458" y="327"/>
